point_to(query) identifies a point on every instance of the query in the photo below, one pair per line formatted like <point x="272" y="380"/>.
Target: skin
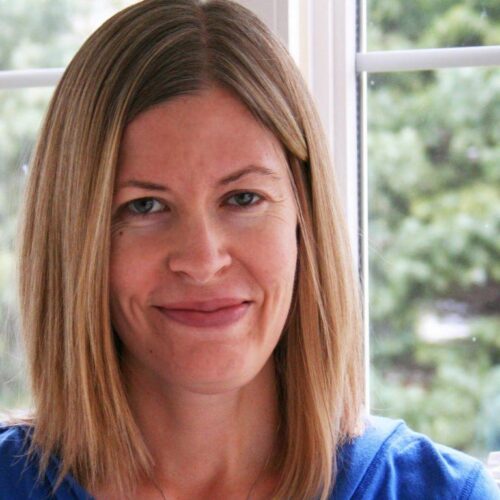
<point x="204" y="398"/>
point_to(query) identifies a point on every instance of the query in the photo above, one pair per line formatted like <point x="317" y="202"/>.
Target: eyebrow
<point x="238" y="174"/>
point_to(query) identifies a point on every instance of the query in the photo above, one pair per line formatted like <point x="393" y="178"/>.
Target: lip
<point x="204" y="305"/>
<point x="220" y="317"/>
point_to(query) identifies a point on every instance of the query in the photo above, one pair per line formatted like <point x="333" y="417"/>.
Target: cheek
<point x="274" y="251"/>
<point x="132" y="258"/>
<point x="272" y="261"/>
<point x="131" y="269"/>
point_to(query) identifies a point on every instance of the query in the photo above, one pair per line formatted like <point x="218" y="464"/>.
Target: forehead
<point x="212" y="131"/>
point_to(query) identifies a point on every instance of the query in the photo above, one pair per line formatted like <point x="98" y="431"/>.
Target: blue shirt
<point x="389" y="461"/>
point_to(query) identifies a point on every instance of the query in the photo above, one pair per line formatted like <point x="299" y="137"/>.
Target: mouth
<point x="221" y="317"/>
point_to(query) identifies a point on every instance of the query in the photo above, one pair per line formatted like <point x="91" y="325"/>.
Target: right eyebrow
<point x="150" y="186"/>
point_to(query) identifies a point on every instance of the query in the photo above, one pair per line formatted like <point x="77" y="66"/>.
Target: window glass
<point x="21" y="112"/>
<point x="401" y="24"/>
<point x="434" y="242"/>
<point x="47" y="33"/>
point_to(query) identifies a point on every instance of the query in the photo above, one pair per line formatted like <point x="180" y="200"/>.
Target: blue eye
<point x="245" y="199"/>
<point x="145" y="206"/>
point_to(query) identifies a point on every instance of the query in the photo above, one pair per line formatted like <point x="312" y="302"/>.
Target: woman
<point x="190" y="313"/>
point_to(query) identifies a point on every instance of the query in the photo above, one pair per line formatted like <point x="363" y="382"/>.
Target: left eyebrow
<point x="238" y="174"/>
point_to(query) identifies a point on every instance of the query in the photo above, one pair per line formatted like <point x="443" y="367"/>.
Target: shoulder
<point x="389" y="460"/>
<point x="19" y="472"/>
<point x="17" y="475"/>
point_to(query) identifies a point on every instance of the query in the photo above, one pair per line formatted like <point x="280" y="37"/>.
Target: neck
<point x="223" y="441"/>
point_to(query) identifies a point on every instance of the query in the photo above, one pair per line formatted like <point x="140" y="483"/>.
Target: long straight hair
<point x="145" y="55"/>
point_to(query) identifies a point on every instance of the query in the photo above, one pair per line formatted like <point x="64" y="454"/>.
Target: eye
<point x="145" y="206"/>
<point x="244" y="199"/>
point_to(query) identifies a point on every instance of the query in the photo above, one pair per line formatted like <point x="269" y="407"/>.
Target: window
<point x="432" y="219"/>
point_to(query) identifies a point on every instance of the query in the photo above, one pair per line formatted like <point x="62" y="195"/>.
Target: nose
<point x="200" y="252"/>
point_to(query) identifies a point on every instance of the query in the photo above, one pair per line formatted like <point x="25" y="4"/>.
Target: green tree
<point x="434" y="155"/>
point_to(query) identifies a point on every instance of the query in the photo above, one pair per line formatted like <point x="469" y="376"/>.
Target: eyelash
<point x="131" y="212"/>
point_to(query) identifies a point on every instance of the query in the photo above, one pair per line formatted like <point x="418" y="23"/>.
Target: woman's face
<point x="203" y="217"/>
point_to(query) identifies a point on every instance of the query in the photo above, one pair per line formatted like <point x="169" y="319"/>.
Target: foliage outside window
<point x="434" y="226"/>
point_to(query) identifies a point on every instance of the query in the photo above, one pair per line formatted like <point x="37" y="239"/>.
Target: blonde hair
<point x="145" y="55"/>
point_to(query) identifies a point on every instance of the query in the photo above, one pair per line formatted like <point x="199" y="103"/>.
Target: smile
<point x="206" y="319"/>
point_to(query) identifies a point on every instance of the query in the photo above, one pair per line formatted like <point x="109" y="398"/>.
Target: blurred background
<point x="433" y="144"/>
<point x="434" y="226"/>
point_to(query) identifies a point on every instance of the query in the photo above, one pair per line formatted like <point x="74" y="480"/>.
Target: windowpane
<point x="400" y="24"/>
<point x="21" y="113"/>
<point x="47" y="33"/>
<point x="434" y="243"/>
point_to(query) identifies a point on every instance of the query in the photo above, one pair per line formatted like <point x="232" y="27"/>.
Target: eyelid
<point x="146" y="198"/>
<point x="260" y="198"/>
<point x="125" y="207"/>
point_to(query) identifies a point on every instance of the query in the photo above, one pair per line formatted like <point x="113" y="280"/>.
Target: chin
<point x="230" y="375"/>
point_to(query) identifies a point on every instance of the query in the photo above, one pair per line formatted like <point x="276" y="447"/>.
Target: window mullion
<point x="427" y="59"/>
<point x="16" y="79"/>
